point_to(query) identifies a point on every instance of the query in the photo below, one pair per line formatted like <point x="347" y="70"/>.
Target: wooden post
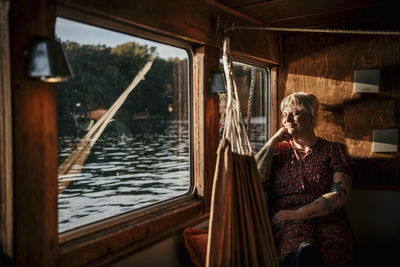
<point x="5" y="133"/>
<point x="206" y="119"/>
<point x="34" y="114"/>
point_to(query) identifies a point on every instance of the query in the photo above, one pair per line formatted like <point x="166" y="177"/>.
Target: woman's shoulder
<point x="332" y="146"/>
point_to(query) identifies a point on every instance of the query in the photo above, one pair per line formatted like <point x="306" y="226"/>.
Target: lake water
<point x="126" y="172"/>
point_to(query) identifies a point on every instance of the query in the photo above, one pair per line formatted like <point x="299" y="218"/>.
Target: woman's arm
<point x="264" y="156"/>
<point x="324" y="205"/>
<point x="327" y="203"/>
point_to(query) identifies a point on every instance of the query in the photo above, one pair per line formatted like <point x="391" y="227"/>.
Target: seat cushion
<point x="196" y="244"/>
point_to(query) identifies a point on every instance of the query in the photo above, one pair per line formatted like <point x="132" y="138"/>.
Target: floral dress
<point x="297" y="182"/>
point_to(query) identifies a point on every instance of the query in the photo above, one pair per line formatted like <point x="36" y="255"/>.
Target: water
<point x="124" y="173"/>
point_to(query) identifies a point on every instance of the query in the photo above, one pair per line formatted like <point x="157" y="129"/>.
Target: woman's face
<point x="297" y="122"/>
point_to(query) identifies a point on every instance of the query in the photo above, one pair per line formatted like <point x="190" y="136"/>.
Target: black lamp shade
<point x="48" y="62"/>
<point x="217" y="82"/>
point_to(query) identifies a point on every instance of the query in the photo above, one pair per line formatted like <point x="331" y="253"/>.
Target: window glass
<point x="142" y="154"/>
<point x="259" y="104"/>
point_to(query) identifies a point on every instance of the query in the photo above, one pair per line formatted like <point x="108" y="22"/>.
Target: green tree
<point x="102" y="73"/>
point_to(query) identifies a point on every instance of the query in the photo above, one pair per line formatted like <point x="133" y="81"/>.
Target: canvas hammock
<point x="239" y="229"/>
<point x="74" y="163"/>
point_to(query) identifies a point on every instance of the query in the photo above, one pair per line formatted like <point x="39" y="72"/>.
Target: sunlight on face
<point x="297" y="122"/>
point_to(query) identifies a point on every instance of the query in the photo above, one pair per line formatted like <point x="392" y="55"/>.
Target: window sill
<point x="131" y="235"/>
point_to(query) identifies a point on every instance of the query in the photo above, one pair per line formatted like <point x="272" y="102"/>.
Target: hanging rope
<point x="251" y="100"/>
<point x="74" y="163"/>
<point x="315" y="30"/>
<point x="234" y="130"/>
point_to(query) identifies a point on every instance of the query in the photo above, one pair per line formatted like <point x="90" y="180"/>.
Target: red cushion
<point x="196" y="244"/>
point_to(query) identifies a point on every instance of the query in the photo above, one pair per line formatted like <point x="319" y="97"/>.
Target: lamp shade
<point x="217" y="82"/>
<point x="48" y="62"/>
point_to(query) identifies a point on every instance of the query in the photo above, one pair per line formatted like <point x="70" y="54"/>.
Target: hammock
<point x="239" y="228"/>
<point x="74" y="163"/>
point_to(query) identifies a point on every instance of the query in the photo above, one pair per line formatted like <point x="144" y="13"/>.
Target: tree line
<point x="102" y="73"/>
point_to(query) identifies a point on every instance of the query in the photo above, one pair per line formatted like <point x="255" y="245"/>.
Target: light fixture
<point x="217" y="82"/>
<point x="48" y="62"/>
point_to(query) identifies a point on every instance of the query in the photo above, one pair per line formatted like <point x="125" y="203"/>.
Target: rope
<point x="98" y="128"/>
<point x="74" y="163"/>
<point x="234" y="130"/>
<point x="251" y="99"/>
<point x="340" y="31"/>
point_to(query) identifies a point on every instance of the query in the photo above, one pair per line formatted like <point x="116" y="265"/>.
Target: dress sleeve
<point x="264" y="159"/>
<point x="340" y="160"/>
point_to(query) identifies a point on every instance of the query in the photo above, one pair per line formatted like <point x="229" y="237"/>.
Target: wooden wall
<point x="324" y="64"/>
<point x="5" y="134"/>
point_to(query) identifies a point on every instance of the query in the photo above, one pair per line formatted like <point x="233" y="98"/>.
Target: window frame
<point x="271" y="87"/>
<point x="148" y="224"/>
<point x="120" y="218"/>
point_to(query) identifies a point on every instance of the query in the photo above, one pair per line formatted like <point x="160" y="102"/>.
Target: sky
<point x="90" y="35"/>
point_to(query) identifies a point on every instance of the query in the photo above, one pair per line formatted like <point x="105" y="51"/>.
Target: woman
<point x="311" y="182"/>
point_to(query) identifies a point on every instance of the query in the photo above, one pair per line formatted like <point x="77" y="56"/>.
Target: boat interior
<point x="346" y="53"/>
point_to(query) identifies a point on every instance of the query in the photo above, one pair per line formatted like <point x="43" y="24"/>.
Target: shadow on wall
<point x="357" y="117"/>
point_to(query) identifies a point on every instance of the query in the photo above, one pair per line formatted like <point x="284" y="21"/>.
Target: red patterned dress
<point x="296" y="183"/>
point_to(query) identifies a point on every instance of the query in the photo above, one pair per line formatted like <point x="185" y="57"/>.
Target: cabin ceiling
<point x="337" y="14"/>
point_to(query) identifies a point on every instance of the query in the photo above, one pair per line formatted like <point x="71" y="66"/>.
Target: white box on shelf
<point x="385" y="140"/>
<point x="366" y="81"/>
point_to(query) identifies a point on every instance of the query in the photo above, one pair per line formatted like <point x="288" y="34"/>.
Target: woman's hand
<point x="279" y="136"/>
<point x="286" y="215"/>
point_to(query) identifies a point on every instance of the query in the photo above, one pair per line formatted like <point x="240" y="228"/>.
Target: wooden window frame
<point x="151" y="209"/>
<point x="272" y="88"/>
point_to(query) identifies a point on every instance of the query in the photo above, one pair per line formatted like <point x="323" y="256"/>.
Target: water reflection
<point x="124" y="173"/>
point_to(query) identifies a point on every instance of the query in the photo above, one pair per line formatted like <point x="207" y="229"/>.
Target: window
<point x="143" y="155"/>
<point x="259" y="115"/>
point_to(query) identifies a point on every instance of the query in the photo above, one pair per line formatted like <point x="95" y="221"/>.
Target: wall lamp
<point x="48" y="62"/>
<point x="217" y="81"/>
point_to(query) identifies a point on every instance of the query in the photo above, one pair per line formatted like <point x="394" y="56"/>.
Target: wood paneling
<point x="34" y="111"/>
<point x="324" y="65"/>
<point x="193" y="21"/>
<point x="311" y="13"/>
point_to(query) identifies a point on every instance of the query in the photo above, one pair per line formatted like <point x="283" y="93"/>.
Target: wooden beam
<point x="6" y="202"/>
<point x="34" y="140"/>
<point x="234" y="12"/>
<point x="206" y="121"/>
<point x="254" y="3"/>
<point x="312" y="13"/>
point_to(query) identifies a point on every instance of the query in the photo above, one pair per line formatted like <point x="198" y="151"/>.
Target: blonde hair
<point x="303" y="102"/>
